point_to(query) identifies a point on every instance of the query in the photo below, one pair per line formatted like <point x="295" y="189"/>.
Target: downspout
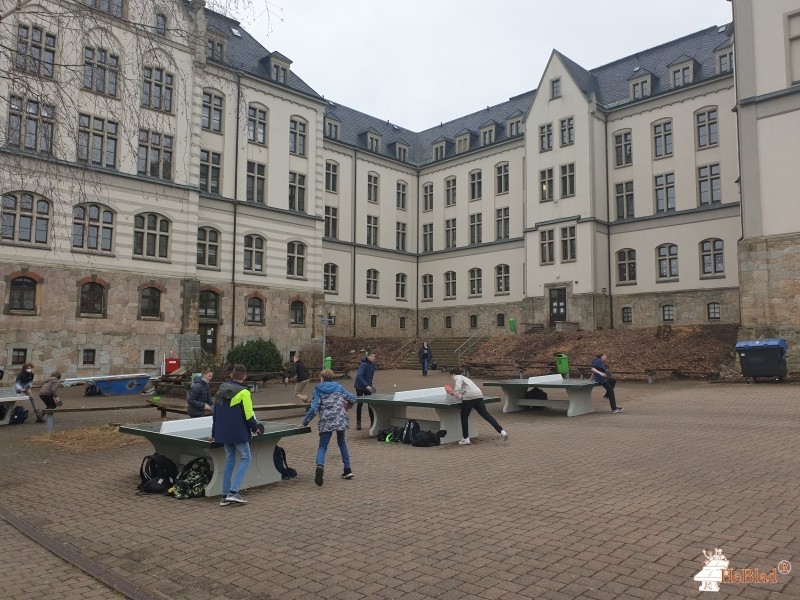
<point x="353" y="238"/>
<point x="417" y="255"/>
<point x="608" y="225"/>
<point x="235" y="210"/>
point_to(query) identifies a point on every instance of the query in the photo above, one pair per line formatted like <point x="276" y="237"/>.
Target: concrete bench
<point x="185" y="439"/>
<point x="9" y="403"/>
<point x="50" y="412"/>
<point x="577" y="402"/>
<point x="184" y="410"/>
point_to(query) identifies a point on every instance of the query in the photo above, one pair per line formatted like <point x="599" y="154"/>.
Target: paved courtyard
<point x="598" y="506"/>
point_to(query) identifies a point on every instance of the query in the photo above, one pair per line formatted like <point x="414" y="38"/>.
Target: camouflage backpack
<point x="193" y="479"/>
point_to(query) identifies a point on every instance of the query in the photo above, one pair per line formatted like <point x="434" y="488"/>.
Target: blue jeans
<point x="424" y="366"/>
<point x="324" y="439"/>
<point x="231" y="450"/>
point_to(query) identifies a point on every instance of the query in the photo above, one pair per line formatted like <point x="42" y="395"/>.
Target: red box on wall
<point x="171" y="364"/>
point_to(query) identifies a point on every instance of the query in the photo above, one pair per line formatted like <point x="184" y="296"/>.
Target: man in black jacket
<point x="299" y="372"/>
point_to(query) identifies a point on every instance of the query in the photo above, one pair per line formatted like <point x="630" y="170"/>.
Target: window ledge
<point x="626" y="283"/>
<point x="717" y="276"/>
<point x="668" y="280"/>
<point x="502" y="293"/>
<point x="297" y="277"/>
<point x="254" y="273"/>
<point x="90" y="316"/>
<point x="427" y="300"/>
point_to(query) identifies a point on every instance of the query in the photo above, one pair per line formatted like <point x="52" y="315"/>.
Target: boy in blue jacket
<point x="364" y="387"/>
<point x="331" y="400"/>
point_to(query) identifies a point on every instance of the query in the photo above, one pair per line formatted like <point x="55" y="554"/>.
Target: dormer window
<point x="640" y="88"/>
<point x="462" y="144"/>
<point x="401" y="152"/>
<point x="438" y="151"/>
<point x="725" y="62"/>
<point x="681" y="75"/>
<point x="487" y="136"/>
<point x="279" y="73"/>
<point x="515" y="127"/>
<point x="214" y="49"/>
<point x="373" y="143"/>
<point x="331" y="129"/>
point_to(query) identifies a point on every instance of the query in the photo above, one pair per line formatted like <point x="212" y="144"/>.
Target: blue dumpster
<point x="763" y="358"/>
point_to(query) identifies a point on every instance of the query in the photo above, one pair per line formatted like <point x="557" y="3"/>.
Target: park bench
<point x="184" y="410"/>
<point x="50" y="412"/>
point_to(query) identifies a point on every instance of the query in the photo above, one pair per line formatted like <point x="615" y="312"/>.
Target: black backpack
<point x="18" y="415"/>
<point x="157" y="473"/>
<point x="92" y="389"/>
<point x="279" y="458"/>
<point x="425" y="439"/>
<point x="193" y="479"/>
<point x="536" y="393"/>
<point x="409" y="431"/>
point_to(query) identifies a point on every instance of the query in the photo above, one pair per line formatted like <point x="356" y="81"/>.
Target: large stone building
<point x="182" y="189"/>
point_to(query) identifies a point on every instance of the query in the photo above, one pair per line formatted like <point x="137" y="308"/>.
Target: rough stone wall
<point x="691" y="307"/>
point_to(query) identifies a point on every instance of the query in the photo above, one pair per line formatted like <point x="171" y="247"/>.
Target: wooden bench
<point x="184" y="410"/>
<point x="185" y="439"/>
<point x="50" y="412"/>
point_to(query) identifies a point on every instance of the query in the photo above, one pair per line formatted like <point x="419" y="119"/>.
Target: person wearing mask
<point x="23" y="384"/>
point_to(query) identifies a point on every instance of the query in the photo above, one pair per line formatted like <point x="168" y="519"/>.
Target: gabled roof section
<point x="280" y="57"/>
<point x="586" y="81"/>
<point x="489" y="123"/>
<point x="680" y="60"/>
<point x="639" y="73"/>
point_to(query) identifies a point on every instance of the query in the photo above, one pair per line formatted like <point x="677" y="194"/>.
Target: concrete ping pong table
<point x="391" y="411"/>
<point x="578" y="400"/>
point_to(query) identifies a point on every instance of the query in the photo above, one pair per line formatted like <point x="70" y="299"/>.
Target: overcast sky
<point x="421" y="62"/>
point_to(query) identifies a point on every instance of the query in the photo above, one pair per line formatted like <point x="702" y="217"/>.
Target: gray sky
<point x="421" y="62"/>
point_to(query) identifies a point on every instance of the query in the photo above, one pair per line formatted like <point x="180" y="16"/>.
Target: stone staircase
<point x="443" y="353"/>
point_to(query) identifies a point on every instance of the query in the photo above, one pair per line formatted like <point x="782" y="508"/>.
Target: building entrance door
<point x="208" y="338"/>
<point x="558" y="305"/>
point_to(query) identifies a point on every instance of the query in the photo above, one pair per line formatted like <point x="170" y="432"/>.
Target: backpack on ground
<point x="18" y="415"/>
<point x="157" y="473"/>
<point x="426" y="439"/>
<point x="536" y="393"/>
<point x="279" y="458"/>
<point x="193" y="479"/>
<point x="92" y="389"/>
<point x="409" y="431"/>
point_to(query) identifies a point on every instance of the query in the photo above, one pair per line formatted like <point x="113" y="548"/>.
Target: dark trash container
<point x="763" y="358"/>
<point x="562" y="364"/>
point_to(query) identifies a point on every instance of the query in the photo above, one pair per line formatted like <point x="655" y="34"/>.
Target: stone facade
<point x="690" y="307"/>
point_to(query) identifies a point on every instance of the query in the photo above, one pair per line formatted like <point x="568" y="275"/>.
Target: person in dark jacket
<point x="364" y="386"/>
<point x="199" y="400"/>
<point x="425" y="357"/>
<point x="234" y="421"/>
<point x="331" y="400"/>
<point x="48" y="393"/>
<point x="602" y="376"/>
<point x="299" y="372"/>
<point x="23" y="384"/>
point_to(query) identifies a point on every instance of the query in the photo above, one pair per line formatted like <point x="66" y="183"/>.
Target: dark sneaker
<point x="40" y="418"/>
<point x="348" y="473"/>
<point x="237" y="498"/>
<point x="358" y="426"/>
<point x="224" y="501"/>
<point x="616" y="410"/>
<point x="318" y="474"/>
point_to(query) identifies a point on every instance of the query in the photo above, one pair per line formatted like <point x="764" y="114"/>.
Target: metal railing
<point x="472" y="341"/>
<point x="404" y="348"/>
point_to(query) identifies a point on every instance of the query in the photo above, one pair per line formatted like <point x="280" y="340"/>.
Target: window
<point x="425" y="323"/>
<point x="450" y="233"/>
<point x="22" y="295"/>
<point x="372" y="187"/>
<point x="331" y="222"/>
<point x="214" y="50"/>
<point x="708" y="185"/>
<point x="400" y="236"/>
<point x="567" y="180"/>
<point x="514" y="127"/>
<point x="427" y="287"/>
<point x="373" y="143"/>
<point x="100" y="71"/>
<point x="427" y="196"/>
<point x="473" y="321"/>
<point x="92" y="300"/>
<point x="707" y="129"/>
<point x="149" y="357"/>
<point x="547" y="247"/>
<point x="487" y="136"/>
<point x="400" y="286"/>
<point x="256" y="182"/>
<point x="112" y="7"/>
<point x="712" y="260"/>
<point x="157" y="89"/>
<point x="450" y="284"/>
<point x="25" y="219"/>
<point x="150" y="236"/>
<point x="624" y="197"/>
<point x="502" y="279"/>
<point x="503" y="223"/>
<point x="500" y="320"/>
<point x="331" y="177"/>
<point x="256" y="125"/>
<point x="161" y="25"/>
<point x="502" y="178"/>
<point x="330" y="277"/>
<point x="207" y="247"/>
<point x="297" y="313"/>
<point x="295" y="259"/>
<point x="254" y="253"/>
<point x="438" y="151"/>
<point x="88" y="357"/>
<point x="427" y="237"/>
<point x="255" y="311"/>
<point x="373" y="321"/>
<point x="372" y="283"/>
<point x="667" y="261"/>
<point x="627" y="314"/>
<point x="626" y="266"/>
<point x="714" y="311"/>
<point x="19" y="356"/>
<point x="448" y="322"/>
<point x="475" y="282"/>
<point x="668" y="312"/>
<point x="725" y="62"/>
<point x="462" y="144"/>
<point x="475" y="185"/>
<point x="36" y="51"/>
<point x="30" y="125"/>
<point x="279" y="73"/>
<point x="297" y="192"/>
<point x="623" y="149"/>
<point x="332" y="129"/>
<point x="545" y="137"/>
<point x="640" y="89"/>
<point x="662" y="139"/>
<point x="210" y="171"/>
<point x="211" y="116"/>
<point x="401" y="153"/>
<point x="372" y="230"/>
<point x="155" y="154"/>
<point x="567" y="131"/>
<point x="450" y="191"/>
<point x="150" y="302"/>
<point x="793" y="46"/>
<point x="546" y="184"/>
<point x="97" y="141"/>
<point x="402" y="322"/>
<point x="297" y="137"/>
<point x="92" y="228"/>
<point x="568" y="241"/>
<point x="402" y="187"/>
<point x="476" y="229"/>
<point x="665" y="192"/>
<point x="555" y="88"/>
<point x="681" y="76"/>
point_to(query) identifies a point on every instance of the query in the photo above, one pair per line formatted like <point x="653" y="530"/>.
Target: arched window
<point x="297" y="313"/>
<point x="207" y="247"/>
<point x="626" y="265"/>
<point x="295" y="259"/>
<point x="25" y="218"/>
<point x="425" y="323"/>
<point x="161" y="24"/>
<point x="213" y="109"/>
<point x="712" y="257"/>
<point x="475" y="282"/>
<point x="297" y="136"/>
<point x="372" y="283"/>
<point x="92" y="228"/>
<point x="255" y="311"/>
<point x="254" y="253"/>
<point x="668" y="312"/>
<point x="473" y="321"/>
<point x="714" y="311"/>
<point x="331" y="177"/>
<point x="93" y="299"/>
<point x="150" y="302"/>
<point x="22" y="295"/>
<point x="257" y="124"/>
<point x="667" y="255"/>
<point x="400" y="286"/>
<point x="503" y="279"/>
<point x="151" y="235"/>
<point x="448" y="322"/>
<point x="450" y="284"/>
<point x="330" y="277"/>
<point x="427" y="287"/>
<point x="501" y="320"/>
<point x="627" y="314"/>
<point x="209" y="305"/>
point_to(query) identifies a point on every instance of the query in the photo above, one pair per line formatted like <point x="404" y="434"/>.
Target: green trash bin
<point x="512" y="324"/>
<point x="328" y="362"/>
<point x="562" y="364"/>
